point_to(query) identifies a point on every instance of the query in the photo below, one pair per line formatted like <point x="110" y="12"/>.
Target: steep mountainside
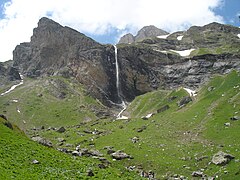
<point x="58" y="50"/>
<point x="180" y="59"/>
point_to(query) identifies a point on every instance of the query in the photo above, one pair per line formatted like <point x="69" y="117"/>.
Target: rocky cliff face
<point x="58" y="50"/>
<point x="145" y="65"/>
<point x="8" y="73"/>
<point x="145" y="32"/>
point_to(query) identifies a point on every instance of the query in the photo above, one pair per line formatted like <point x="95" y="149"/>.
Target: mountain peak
<point x="44" y="21"/>
<point x="145" y="32"/>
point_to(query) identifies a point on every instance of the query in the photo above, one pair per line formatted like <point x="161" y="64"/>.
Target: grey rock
<point x="135" y="139"/>
<point x="61" y="130"/>
<point x="227" y="124"/>
<point x="69" y="145"/>
<point x="211" y="88"/>
<point x="95" y="153"/>
<point x="141" y="129"/>
<point x="235" y="118"/>
<point x="197" y="174"/>
<point x="109" y="149"/>
<point x="42" y="141"/>
<point x="185" y="100"/>
<point x="119" y="155"/>
<point x="162" y="109"/>
<point x="222" y="158"/>
<point x="76" y="153"/>
<point x="90" y="173"/>
<point x="35" y="161"/>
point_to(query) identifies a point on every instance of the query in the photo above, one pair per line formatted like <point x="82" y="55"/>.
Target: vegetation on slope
<point x="172" y="143"/>
<point x="18" y="153"/>
<point x="176" y="141"/>
<point x="49" y="102"/>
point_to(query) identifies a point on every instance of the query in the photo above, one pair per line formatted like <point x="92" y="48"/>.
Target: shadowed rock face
<point x="57" y="50"/>
<point x="8" y="73"/>
<point x="144" y="70"/>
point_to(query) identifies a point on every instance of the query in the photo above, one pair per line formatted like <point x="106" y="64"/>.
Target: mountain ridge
<point x="144" y="65"/>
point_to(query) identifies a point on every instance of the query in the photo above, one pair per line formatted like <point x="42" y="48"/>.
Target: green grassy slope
<point x="176" y="141"/>
<point x="17" y="153"/>
<point x="49" y="102"/>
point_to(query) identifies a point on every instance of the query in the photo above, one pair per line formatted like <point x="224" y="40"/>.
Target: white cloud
<point x="100" y="16"/>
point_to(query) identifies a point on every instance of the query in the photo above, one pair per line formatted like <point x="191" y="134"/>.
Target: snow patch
<point x="15" y="100"/>
<point x="179" y="38"/>
<point x="190" y="92"/>
<point x="184" y="52"/>
<point x="238" y="35"/>
<point x="14" y="86"/>
<point x="18" y="110"/>
<point x="149" y="115"/>
<point x="163" y="36"/>
<point x="122" y="118"/>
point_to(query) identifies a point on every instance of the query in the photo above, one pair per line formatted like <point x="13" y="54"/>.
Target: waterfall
<point x="123" y="104"/>
<point x="117" y="72"/>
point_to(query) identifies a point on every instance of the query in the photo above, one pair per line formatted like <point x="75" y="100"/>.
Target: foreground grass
<point x="17" y="153"/>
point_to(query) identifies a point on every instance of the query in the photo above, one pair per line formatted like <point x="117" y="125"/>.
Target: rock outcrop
<point x="222" y="158"/>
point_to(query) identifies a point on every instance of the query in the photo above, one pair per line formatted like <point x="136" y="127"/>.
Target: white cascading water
<point x="123" y="104"/>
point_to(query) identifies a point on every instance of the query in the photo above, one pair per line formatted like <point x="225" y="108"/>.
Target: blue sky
<point x="230" y="11"/>
<point x="107" y="20"/>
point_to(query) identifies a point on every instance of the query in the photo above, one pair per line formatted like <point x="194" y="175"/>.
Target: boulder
<point x="42" y="141"/>
<point x="95" y="153"/>
<point x="109" y="149"/>
<point x="141" y="129"/>
<point x="235" y="118"/>
<point x="35" y="161"/>
<point x="90" y="173"/>
<point x="76" y="153"/>
<point x="211" y="88"/>
<point x="162" y="109"/>
<point x="119" y="155"/>
<point x="135" y="139"/>
<point x="185" y="100"/>
<point x="222" y="158"/>
<point x="61" y="130"/>
<point x="197" y="174"/>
